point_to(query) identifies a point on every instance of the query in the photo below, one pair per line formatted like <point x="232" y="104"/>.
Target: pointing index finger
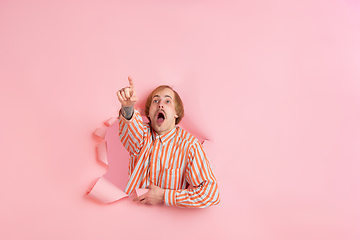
<point x="131" y="82"/>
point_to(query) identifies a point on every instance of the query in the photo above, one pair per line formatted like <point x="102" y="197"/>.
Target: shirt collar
<point x="165" y="138"/>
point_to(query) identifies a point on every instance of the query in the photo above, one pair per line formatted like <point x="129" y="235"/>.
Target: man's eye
<point x="167" y="101"/>
<point x="156" y="101"/>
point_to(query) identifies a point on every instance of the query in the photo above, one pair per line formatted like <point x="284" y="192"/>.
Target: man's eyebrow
<point x="164" y="97"/>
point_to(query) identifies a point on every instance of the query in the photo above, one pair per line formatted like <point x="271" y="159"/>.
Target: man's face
<point x="162" y="111"/>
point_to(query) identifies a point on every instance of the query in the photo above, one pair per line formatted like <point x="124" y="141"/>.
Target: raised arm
<point x="131" y="126"/>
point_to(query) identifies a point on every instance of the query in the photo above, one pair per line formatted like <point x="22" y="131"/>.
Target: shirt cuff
<point x="169" y="197"/>
<point x="123" y="119"/>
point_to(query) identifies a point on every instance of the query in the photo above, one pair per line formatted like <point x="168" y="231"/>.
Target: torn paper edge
<point x="102" y="189"/>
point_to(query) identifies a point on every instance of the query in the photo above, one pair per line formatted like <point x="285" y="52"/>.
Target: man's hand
<point x="127" y="96"/>
<point x="154" y="196"/>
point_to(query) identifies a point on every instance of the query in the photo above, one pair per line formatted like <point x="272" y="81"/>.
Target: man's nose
<point x="160" y="104"/>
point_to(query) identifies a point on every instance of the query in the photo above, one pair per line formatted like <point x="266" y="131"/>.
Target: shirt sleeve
<point x="131" y="134"/>
<point x="199" y="174"/>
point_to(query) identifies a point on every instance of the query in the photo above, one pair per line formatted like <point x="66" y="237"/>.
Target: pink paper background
<point x="274" y="85"/>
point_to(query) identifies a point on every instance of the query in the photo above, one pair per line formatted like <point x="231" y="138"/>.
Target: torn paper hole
<point x="106" y="189"/>
<point x="113" y="155"/>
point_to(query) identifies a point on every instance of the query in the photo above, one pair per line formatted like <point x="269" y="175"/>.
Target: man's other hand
<point x="154" y="196"/>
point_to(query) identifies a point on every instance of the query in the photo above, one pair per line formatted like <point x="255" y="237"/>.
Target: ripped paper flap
<point x="102" y="152"/>
<point x="111" y="121"/>
<point x="106" y="192"/>
<point x="101" y="132"/>
<point x="141" y="191"/>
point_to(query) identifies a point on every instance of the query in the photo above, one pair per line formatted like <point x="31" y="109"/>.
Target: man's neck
<point x="163" y="132"/>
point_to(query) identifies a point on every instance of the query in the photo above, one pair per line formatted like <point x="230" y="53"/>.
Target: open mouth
<point x="160" y="117"/>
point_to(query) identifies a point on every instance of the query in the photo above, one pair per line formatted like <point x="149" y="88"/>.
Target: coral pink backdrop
<point x="274" y="85"/>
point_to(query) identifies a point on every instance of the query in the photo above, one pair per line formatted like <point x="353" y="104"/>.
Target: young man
<point x="163" y="157"/>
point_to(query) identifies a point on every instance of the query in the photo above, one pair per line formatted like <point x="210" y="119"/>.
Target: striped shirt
<point x="174" y="161"/>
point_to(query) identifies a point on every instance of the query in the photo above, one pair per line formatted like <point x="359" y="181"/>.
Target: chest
<point x="172" y="154"/>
